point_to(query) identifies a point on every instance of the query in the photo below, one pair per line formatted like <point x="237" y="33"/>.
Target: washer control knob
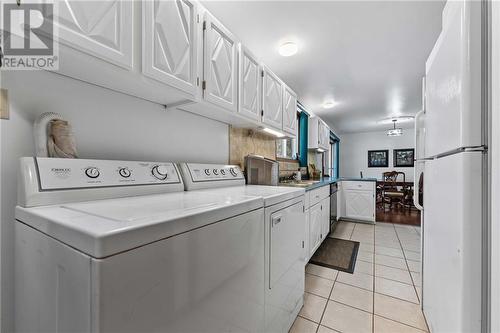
<point x="160" y="172"/>
<point x="233" y="172"/>
<point x="216" y="172"/>
<point x="223" y="172"/>
<point x="92" y="172"/>
<point x="124" y="172"/>
<point x="207" y="172"/>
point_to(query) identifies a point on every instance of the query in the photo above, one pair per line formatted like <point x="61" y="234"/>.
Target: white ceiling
<point x="369" y="56"/>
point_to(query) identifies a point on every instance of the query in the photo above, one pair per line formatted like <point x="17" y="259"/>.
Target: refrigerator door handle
<point x="416" y="188"/>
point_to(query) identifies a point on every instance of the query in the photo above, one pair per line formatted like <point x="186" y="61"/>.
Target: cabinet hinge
<point x="262" y="113"/>
<point x="204" y="25"/>
<point x="262" y="73"/>
<point x="197" y="81"/>
<point x="303" y="244"/>
<point x="204" y="85"/>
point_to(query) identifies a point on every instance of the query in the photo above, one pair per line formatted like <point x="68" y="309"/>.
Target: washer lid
<point x="270" y="194"/>
<point x="106" y="227"/>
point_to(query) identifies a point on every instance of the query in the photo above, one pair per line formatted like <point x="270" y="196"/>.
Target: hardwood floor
<point x="400" y="216"/>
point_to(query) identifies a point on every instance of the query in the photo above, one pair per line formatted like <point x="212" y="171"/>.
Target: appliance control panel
<point x="199" y="172"/>
<point x="66" y="173"/>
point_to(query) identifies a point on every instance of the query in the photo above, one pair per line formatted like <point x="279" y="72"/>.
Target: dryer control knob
<point x="160" y="172"/>
<point x="124" y="172"/>
<point x="92" y="172"/>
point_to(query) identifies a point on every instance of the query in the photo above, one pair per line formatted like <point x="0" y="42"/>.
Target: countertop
<point x="327" y="181"/>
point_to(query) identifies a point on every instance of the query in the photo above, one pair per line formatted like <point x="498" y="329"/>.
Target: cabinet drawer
<point x="318" y="194"/>
<point x="356" y="185"/>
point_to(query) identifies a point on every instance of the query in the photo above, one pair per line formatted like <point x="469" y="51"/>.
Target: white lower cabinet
<point x="318" y="218"/>
<point x="314" y="228"/>
<point x="307" y="250"/>
<point x="357" y="200"/>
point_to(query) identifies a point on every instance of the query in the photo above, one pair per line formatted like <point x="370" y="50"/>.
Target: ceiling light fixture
<point x="273" y="132"/>
<point x="288" y="49"/>
<point x="395" y="131"/>
<point x="390" y="120"/>
<point x="329" y="104"/>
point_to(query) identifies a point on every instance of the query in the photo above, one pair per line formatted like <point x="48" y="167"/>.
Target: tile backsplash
<point x="243" y="142"/>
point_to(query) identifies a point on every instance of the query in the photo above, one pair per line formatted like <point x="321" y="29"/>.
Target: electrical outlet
<point x="4" y="104"/>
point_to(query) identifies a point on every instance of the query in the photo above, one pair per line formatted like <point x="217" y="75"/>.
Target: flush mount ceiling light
<point x="273" y="132"/>
<point x="329" y="104"/>
<point x="390" y="120"/>
<point x="395" y="131"/>
<point x="288" y="49"/>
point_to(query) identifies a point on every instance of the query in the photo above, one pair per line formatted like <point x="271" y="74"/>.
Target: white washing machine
<point x="285" y="251"/>
<point x="114" y="246"/>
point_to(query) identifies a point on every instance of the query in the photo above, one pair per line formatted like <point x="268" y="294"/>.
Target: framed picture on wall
<point x="404" y="158"/>
<point x="378" y="158"/>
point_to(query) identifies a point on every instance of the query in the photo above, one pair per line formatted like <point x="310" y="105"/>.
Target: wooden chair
<point x="392" y="192"/>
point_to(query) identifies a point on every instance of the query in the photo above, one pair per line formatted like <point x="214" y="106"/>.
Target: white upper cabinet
<point x="289" y="111"/>
<point x="220" y="71"/>
<point x="319" y="134"/>
<point x="249" y="74"/>
<point x="103" y="29"/>
<point x="324" y="135"/>
<point x="169" y="43"/>
<point x="272" y="99"/>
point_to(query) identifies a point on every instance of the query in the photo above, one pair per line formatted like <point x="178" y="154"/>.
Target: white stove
<point x="120" y="246"/>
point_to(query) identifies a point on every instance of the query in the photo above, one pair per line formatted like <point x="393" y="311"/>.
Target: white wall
<point x="107" y="125"/>
<point x="354" y="152"/>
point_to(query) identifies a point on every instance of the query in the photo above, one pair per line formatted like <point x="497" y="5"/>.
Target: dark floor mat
<point x="339" y="254"/>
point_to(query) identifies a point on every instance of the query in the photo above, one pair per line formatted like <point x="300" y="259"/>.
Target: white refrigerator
<point x="451" y="159"/>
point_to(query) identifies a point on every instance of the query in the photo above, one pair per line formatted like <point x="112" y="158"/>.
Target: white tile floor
<point x="382" y="296"/>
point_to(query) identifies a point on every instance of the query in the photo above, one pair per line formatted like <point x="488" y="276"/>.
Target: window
<point x="335" y="158"/>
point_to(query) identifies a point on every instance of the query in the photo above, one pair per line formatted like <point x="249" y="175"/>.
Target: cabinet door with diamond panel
<point x="169" y="43"/>
<point x="103" y="29"/>
<point x="272" y="99"/>
<point x="359" y="204"/>
<point x="249" y="100"/>
<point x="220" y="80"/>
<point x="289" y="111"/>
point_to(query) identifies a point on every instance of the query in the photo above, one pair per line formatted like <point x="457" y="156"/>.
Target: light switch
<point x="4" y="104"/>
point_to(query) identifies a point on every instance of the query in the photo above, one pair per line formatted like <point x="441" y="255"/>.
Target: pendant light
<point x="394" y="131"/>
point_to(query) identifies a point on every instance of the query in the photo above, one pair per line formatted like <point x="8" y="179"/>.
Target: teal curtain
<point x="336" y="167"/>
<point x="303" y="135"/>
